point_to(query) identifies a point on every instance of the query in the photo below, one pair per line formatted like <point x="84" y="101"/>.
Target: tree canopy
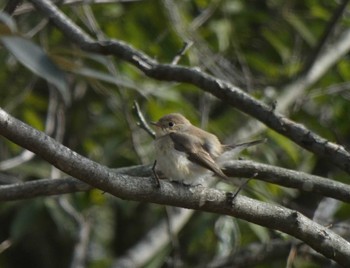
<point x="79" y="84"/>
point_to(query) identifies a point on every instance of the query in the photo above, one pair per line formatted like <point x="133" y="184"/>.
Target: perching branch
<point x="289" y="178"/>
<point x="239" y="168"/>
<point x="230" y="94"/>
<point x="59" y="186"/>
<point x="127" y="187"/>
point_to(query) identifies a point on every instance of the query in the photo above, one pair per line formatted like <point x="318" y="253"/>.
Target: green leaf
<point x="301" y="28"/>
<point x="343" y="68"/>
<point x="106" y="77"/>
<point x="36" y="60"/>
<point x="288" y="146"/>
<point x="33" y="119"/>
<point x="277" y="43"/>
<point x="222" y="28"/>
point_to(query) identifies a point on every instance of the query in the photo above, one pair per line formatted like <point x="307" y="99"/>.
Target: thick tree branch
<point x="221" y="89"/>
<point x="276" y="217"/>
<point x="240" y="168"/>
<point x="289" y="178"/>
<point x="59" y="186"/>
<point x="45" y="187"/>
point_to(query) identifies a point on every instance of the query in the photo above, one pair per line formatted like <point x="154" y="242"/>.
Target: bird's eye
<point x="171" y="124"/>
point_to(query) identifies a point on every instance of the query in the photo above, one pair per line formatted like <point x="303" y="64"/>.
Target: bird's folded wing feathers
<point x="243" y="145"/>
<point x="196" y="152"/>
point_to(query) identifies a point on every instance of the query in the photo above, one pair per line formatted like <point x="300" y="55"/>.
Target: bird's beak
<point x="155" y="124"/>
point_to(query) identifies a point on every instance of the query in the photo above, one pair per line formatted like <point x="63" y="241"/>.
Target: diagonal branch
<point x="225" y="91"/>
<point x="240" y="168"/>
<point x="11" y="6"/>
<point x="336" y="17"/>
<point x="272" y="216"/>
<point x="289" y="178"/>
<point x="59" y="186"/>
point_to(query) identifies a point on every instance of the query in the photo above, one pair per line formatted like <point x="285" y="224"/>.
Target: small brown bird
<point x="185" y="152"/>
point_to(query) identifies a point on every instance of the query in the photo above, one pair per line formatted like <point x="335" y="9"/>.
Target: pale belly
<point x="175" y="165"/>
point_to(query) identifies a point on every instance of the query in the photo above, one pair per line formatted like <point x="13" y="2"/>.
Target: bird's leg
<point x="240" y="188"/>
<point x="182" y="183"/>
<point x="156" y="178"/>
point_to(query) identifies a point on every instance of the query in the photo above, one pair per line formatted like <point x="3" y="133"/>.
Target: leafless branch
<point x="9" y="179"/>
<point x="205" y="199"/>
<point x="289" y="178"/>
<point x="81" y="247"/>
<point x="59" y="186"/>
<point x="23" y="157"/>
<point x="272" y="216"/>
<point x="182" y="52"/>
<point x="5" y="245"/>
<point x="155" y="240"/>
<point x="336" y="17"/>
<point x="11" y="6"/>
<point x="240" y="168"/>
<point x="79" y="257"/>
<point x="204" y="57"/>
<point x="142" y="121"/>
<point x="27" y="7"/>
<point x="26" y="155"/>
<point x="225" y="91"/>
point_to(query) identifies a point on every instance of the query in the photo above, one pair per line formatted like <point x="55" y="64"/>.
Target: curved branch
<point x="240" y="168"/>
<point x="295" y="89"/>
<point x="272" y="216"/>
<point x="289" y="178"/>
<point x="227" y="92"/>
<point x="59" y="186"/>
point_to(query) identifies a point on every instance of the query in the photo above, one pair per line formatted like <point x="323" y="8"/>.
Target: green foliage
<point x="35" y="59"/>
<point x="264" y="43"/>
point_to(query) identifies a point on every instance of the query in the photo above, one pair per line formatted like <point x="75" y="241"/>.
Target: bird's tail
<point x="243" y="145"/>
<point x="232" y="150"/>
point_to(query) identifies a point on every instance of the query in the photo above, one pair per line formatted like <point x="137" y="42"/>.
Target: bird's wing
<point x="196" y="152"/>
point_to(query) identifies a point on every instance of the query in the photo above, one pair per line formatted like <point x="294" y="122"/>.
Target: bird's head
<point x="171" y="123"/>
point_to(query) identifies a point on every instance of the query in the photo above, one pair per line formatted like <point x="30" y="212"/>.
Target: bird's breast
<point x="174" y="164"/>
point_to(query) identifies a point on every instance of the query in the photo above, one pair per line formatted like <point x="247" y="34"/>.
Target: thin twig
<point x="222" y="89"/>
<point x="170" y="215"/>
<point x="5" y="245"/>
<point x="183" y="50"/>
<point x="138" y="189"/>
<point x="337" y="15"/>
<point x="291" y="256"/>
<point x="142" y="121"/>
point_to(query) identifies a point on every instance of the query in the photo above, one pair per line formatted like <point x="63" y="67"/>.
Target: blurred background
<point x="270" y="49"/>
